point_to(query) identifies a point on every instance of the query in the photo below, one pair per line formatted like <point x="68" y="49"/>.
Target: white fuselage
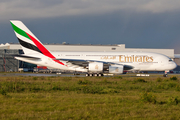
<point x="142" y="61"/>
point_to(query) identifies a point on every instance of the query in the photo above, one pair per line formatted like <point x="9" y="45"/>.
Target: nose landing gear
<point x="165" y="74"/>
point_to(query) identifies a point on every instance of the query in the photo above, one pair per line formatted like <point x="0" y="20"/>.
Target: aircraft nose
<point x="174" y="65"/>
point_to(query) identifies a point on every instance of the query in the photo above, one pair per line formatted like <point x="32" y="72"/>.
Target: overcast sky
<point x="136" y="23"/>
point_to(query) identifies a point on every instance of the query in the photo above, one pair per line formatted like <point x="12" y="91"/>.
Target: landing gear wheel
<point x="90" y="74"/>
<point x="87" y="74"/>
<point x="100" y="74"/>
<point x="96" y="74"/>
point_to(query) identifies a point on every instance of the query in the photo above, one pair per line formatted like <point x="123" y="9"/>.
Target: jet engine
<point x="116" y="69"/>
<point x="99" y="67"/>
<point x="95" y="67"/>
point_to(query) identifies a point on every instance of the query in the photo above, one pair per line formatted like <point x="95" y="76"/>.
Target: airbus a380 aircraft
<point x="92" y="63"/>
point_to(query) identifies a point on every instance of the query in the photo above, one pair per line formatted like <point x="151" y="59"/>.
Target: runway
<point x="83" y="75"/>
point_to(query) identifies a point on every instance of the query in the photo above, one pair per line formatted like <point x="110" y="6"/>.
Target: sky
<point x="136" y="23"/>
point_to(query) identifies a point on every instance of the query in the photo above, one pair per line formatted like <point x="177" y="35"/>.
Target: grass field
<point x="119" y="97"/>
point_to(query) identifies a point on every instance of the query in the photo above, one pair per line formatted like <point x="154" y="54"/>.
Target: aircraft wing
<point x="84" y="63"/>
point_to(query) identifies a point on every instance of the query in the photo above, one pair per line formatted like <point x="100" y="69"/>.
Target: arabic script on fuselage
<point x="108" y="57"/>
<point x="131" y="58"/>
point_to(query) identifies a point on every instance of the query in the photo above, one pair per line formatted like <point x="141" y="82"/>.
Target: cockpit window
<point x="170" y="60"/>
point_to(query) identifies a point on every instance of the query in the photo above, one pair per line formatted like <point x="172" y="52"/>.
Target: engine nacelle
<point x="116" y="69"/>
<point x="95" y="67"/>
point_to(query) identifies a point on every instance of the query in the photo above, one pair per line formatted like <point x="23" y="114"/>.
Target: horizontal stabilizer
<point x="24" y="56"/>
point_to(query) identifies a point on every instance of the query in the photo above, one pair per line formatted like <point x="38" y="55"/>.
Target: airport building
<point x="8" y="63"/>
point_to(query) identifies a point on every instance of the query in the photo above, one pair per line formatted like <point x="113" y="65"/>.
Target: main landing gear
<point x="94" y="74"/>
